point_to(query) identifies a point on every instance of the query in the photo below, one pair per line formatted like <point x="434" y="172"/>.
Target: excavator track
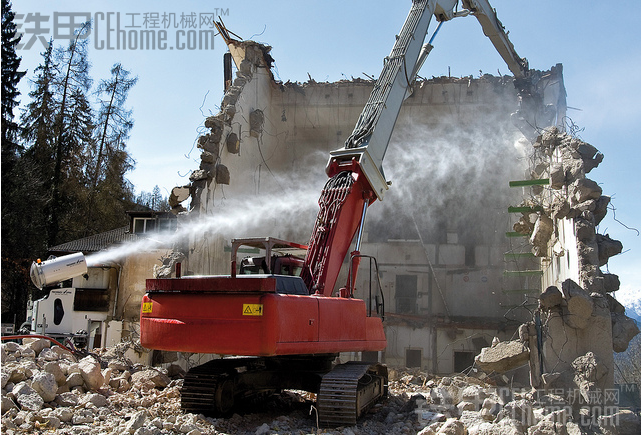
<point x="344" y="392"/>
<point x="220" y="386"/>
<point x="348" y="390"/>
<point x="203" y="387"/>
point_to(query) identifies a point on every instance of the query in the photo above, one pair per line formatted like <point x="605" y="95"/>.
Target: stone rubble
<point x="107" y="394"/>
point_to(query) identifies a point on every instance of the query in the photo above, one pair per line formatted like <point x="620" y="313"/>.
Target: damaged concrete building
<point x="579" y="324"/>
<point x="442" y="236"/>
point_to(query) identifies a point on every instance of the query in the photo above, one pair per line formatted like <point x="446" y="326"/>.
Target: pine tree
<point x="10" y="78"/>
<point x="72" y="79"/>
<point x="14" y="268"/>
<point x="10" y="147"/>
<point x="109" y="187"/>
<point x="114" y="121"/>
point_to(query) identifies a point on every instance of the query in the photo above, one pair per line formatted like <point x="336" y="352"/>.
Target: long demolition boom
<point x="356" y="174"/>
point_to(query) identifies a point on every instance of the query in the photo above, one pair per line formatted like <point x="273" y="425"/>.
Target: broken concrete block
<point x="579" y="305"/>
<point x="584" y="189"/>
<point x="208" y="157"/>
<point x="590" y="156"/>
<point x="560" y="209"/>
<point x="178" y="195"/>
<point x="556" y="176"/>
<point x="601" y="207"/>
<point x="208" y="143"/>
<point x="240" y="82"/>
<point x="593" y="284"/>
<point x="624" y="329"/>
<point x="551" y="297"/>
<point x="159" y="379"/>
<point x="231" y="96"/>
<point x="607" y="247"/>
<point x="550" y="138"/>
<point x="233" y="144"/>
<point x="541" y="235"/>
<point x="257" y="118"/>
<point x="524" y="225"/>
<point x="254" y="54"/>
<point x="520" y="411"/>
<point x="210" y="168"/>
<point x="614" y="305"/>
<point x="611" y="282"/>
<point x="91" y="372"/>
<point x="505" y="356"/>
<point x="214" y="123"/>
<point x="198" y="175"/>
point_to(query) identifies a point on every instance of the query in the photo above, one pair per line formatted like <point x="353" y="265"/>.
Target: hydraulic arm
<point x="356" y="174"/>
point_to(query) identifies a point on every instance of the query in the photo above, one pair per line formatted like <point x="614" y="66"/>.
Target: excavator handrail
<point x="351" y="290"/>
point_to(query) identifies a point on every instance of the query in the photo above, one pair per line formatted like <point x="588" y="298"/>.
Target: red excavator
<point x="278" y="315"/>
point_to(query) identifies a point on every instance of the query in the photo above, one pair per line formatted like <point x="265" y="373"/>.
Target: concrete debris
<point x="207" y="157"/>
<point x="542" y="232"/>
<point x="557" y="176"/>
<point x="607" y="248"/>
<point x="624" y="329"/>
<point x="503" y="357"/>
<point x="249" y="57"/>
<point x="601" y="207"/>
<point x="138" y="400"/>
<point x="150" y="404"/>
<point x="584" y="229"/>
<point x="624" y="421"/>
<point x="168" y="264"/>
<point x="176" y="197"/>
<point x="611" y="282"/>
<point x="582" y="190"/>
<point x="524" y="225"/>
<point x="579" y="305"/>
<point x="551" y="297"/>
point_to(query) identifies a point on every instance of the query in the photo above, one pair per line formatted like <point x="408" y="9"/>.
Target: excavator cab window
<point x="253" y="266"/>
<point x="280" y="265"/>
<point x="287" y="265"/>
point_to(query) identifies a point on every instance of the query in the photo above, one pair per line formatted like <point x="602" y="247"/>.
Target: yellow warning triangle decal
<point x="247" y="310"/>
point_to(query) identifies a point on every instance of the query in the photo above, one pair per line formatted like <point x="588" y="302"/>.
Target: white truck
<point x="80" y="302"/>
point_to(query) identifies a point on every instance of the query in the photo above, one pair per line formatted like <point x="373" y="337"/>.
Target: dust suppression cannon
<point x="51" y="272"/>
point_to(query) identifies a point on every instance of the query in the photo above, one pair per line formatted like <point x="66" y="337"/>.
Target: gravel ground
<point x="47" y="390"/>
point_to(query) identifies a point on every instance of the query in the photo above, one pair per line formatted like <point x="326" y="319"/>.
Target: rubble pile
<point x="47" y="389"/>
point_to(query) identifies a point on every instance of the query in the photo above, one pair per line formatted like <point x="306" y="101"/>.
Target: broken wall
<point x="579" y="324"/>
<point x="443" y="220"/>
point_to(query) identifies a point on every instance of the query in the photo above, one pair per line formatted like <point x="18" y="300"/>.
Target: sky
<point x="180" y="85"/>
